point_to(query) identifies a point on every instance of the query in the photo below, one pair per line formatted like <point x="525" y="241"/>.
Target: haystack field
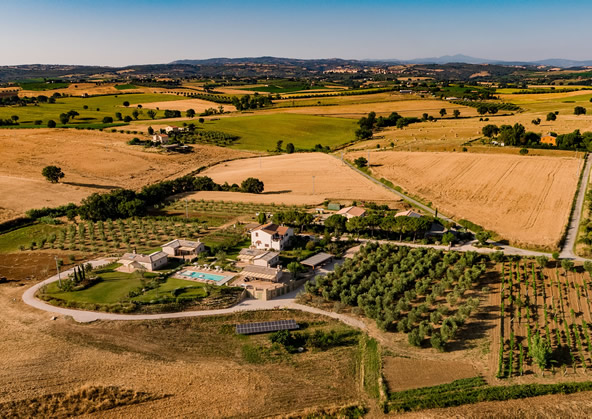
<point x="288" y="180"/>
<point x="91" y="160"/>
<point x="525" y="199"/>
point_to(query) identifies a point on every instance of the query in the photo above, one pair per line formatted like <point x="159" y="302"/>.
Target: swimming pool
<point x="203" y="275"/>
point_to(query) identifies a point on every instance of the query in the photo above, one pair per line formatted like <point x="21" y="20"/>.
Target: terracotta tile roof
<point x="353" y="211"/>
<point x="272" y="228"/>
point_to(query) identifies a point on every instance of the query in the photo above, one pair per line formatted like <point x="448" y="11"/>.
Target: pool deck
<point x="226" y="274"/>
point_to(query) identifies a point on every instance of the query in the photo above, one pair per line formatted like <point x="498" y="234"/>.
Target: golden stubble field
<point x="525" y="199"/>
<point x="198" y="105"/>
<point x="91" y="160"/>
<point x="288" y="179"/>
<point x="405" y="107"/>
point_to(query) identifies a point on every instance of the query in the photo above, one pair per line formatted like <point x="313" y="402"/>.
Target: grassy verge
<point x="371" y="366"/>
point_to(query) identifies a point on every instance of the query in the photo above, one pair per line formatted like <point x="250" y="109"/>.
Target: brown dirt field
<point x="576" y="405"/>
<point x="197" y="363"/>
<point x="405" y="373"/>
<point x="526" y="200"/>
<point x="32" y="266"/>
<point x="91" y="161"/>
<point x="288" y="179"/>
<point x="198" y="105"/>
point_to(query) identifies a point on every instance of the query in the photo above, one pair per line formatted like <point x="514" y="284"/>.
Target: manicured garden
<point x="106" y="289"/>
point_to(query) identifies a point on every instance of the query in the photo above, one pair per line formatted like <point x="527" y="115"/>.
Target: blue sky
<point x="128" y="32"/>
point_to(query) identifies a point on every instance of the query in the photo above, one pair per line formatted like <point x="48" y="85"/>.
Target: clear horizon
<point x="137" y="32"/>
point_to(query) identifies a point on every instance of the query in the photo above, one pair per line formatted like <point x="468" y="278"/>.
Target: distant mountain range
<point x="460" y="58"/>
<point x="445" y="59"/>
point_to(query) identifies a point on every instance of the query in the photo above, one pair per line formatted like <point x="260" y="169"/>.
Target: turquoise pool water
<point x="203" y="275"/>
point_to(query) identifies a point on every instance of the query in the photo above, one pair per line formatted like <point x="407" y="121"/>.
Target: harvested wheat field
<point x="288" y="180"/>
<point x="525" y="199"/>
<point x="170" y="368"/>
<point x="91" y="160"/>
<point x="198" y="105"/>
<point x="404" y="107"/>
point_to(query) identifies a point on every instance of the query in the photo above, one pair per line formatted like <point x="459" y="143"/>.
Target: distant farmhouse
<point x="271" y="236"/>
<point x="549" y="139"/>
<point x="161" y="138"/>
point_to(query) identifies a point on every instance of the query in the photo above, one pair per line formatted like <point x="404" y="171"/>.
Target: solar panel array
<point x="266" y="327"/>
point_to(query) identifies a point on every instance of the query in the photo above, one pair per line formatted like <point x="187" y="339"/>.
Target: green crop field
<point x="262" y="132"/>
<point x="90" y="117"/>
<point x="283" y="86"/>
<point x="125" y="86"/>
<point x="40" y="85"/>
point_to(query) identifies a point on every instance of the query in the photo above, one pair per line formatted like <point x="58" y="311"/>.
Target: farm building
<point x="259" y="257"/>
<point x="351" y="212"/>
<point x="549" y="139"/>
<point x="271" y="236"/>
<point x="180" y="247"/>
<point x="151" y="262"/>
<point x="408" y="213"/>
<point x="317" y="260"/>
<point x="266" y="283"/>
<point x="262" y="273"/>
<point x="170" y="129"/>
<point x="334" y="206"/>
<point x="161" y="138"/>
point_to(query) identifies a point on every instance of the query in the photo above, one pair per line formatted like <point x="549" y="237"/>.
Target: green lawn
<point x="116" y="286"/>
<point x="10" y="242"/>
<point x="261" y="132"/>
<point x="107" y="105"/>
<point x="196" y="289"/>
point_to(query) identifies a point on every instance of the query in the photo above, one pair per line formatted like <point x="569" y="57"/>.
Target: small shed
<point x="317" y="260"/>
<point x="334" y="206"/>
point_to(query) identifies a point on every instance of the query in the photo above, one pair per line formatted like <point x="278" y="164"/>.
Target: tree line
<point x="125" y="203"/>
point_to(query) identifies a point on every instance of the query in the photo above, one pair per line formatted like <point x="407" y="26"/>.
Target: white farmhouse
<point x="151" y="262"/>
<point x="271" y="236"/>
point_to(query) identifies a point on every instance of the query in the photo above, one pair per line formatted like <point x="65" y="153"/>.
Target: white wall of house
<point x="263" y="240"/>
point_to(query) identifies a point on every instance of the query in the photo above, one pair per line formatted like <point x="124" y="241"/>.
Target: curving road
<point x="286" y="301"/>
